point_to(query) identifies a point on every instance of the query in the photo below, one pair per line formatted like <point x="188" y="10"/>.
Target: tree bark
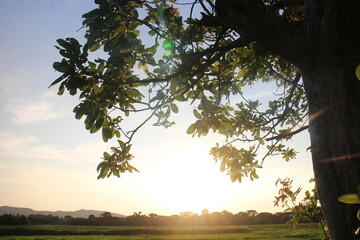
<point x="333" y="93"/>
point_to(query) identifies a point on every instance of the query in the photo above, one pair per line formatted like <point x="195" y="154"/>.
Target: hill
<point x="28" y="211"/>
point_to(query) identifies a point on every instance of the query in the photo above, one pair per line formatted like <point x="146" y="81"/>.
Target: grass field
<point x="49" y="232"/>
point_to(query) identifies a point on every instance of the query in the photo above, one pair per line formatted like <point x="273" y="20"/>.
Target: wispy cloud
<point x="12" y="145"/>
<point x="30" y="147"/>
<point x="260" y="95"/>
<point x="41" y="109"/>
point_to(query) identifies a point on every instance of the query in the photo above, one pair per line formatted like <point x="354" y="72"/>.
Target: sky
<point x="48" y="160"/>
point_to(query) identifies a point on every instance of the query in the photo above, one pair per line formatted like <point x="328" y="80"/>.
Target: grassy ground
<point x="276" y="232"/>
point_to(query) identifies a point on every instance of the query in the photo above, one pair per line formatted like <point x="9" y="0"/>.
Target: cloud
<point x="26" y="111"/>
<point x="25" y="147"/>
<point x="30" y="147"/>
<point x="260" y="95"/>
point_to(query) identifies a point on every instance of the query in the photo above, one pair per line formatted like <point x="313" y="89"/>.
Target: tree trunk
<point x="333" y="93"/>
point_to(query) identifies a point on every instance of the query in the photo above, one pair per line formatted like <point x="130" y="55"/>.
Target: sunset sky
<point x="48" y="160"/>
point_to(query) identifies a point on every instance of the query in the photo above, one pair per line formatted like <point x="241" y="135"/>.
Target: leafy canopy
<point x="148" y="56"/>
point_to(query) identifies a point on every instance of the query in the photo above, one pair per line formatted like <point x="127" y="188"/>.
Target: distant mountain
<point x="79" y="213"/>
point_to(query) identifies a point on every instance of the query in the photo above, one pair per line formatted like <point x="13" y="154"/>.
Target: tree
<point x="308" y="49"/>
<point x="265" y="217"/>
<point x="106" y="215"/>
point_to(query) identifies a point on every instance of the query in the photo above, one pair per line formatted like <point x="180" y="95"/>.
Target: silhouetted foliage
<point x="45" y="219"/>
<point x="9" y="219"/>
<point x="187" y="218"/>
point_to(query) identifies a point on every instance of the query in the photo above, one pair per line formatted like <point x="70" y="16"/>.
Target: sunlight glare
<point x="191" y="184"/>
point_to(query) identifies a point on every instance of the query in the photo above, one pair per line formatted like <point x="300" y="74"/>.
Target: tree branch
<point x="250" y="18"/>
<point x="240" y="42"/>
<point x="287" y="134"/>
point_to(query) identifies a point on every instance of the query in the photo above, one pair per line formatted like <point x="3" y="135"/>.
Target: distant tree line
<point x="138" y="219"/>
<point x="9" y="219"/>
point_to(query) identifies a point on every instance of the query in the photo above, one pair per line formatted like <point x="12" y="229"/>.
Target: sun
<point x="192" y="182"/>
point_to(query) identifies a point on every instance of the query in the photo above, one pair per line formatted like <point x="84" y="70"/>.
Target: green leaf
<point x="94" y="47"/>
<point x="99" y="122"/>
<point x="63" y="43"/>
<point x="92" y="65"/>
<point x="59" y="79"/>
<point x="60" y="67"/>
<point x="134" y="169"/>
<point x="226" y="124"/>
<point x="349" y="198"/>
<point x="65" y="53"/>
<point x="116" y="172"/>
<point x="106" y="155"/>
<point x="94" y="129"/>
<point x="72" y="91"/>
<point x="101" y="165"/>
<point x="134" y="25"/>
<point x="197" y="114"/>
<point x="241" y="74"/>
<point x="117" y="134"/>
<point x="191" y="129"/>
<point x="106" y="134"/>
<point x="101" y="67"/>
<point x="140" y="65"/>
<point x="61" y="90"/>
<point x="103" y="172"/>
<point x="223" y="131"/>
<point x="174" y="108"/>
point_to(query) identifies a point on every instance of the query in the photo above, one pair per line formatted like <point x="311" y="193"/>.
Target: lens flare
<point x="168" y="47"/>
